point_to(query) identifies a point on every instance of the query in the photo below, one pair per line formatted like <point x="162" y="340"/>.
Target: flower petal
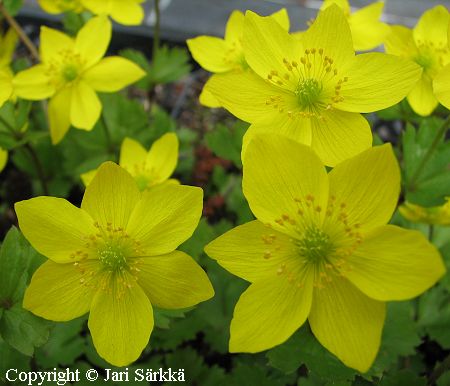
<point x="162" y="158"/>
<point x="377" y="81"/>
<point x="207" y="99"/>
<point x="3" y="158"/>
<point x="166" y="216"/>
<point x="53" y="42"/>
<point x="270" y="311"/>
<point x="368" y="186"/>
<point x="209" y="52"/>
<point x="235" y="26"/>
<point x="347" y="323"/>
<point x="367" y="30"/>
<point x="281" y="177"/>
<point x="54" y="227"/>
<point x="6" y="88"/>
<point x="132" y="153"/>
<point x="59" y="114"/>
<point x="127" y="13"/>
<point x="282" y="18"/>
<point x="441" y="86"/>
<point x="421" y="98"/>
<point x="432" y="27"/>
<point x="400" y="42"/>
<point x="395" y="264"/>
<point x="113" y="74"/>
<point x="111" y="196"/>
<point x="343" y="4"/>
<point x="121" y="320"/>
<point x="174" y="281"/>
<point x="85" y="106"/>
<point x="61" y="292"/>
<point x="249" y="97"/>
<point x="252" y="251"/>
<point x="266" y="43"/>
<point x="331" y="22"/>
<point x="339" y="135"/>
<point x="33" y="84"/>
<point x="92" y="50"/>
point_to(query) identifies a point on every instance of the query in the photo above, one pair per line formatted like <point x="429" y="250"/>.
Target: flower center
<point x="70" y="72"/>
<point x="113" y="257"/>
<point x="308" y="92"/>
<point x="315" y="245"/>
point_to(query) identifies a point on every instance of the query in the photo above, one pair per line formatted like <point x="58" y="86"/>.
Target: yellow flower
<point x="60" y="6"/>
<point x="148" y="168"/>
<point x="114" y="258"/>
<point x="426" y="45"/>
<point x="439" y="215"/>
<point x="6" y="87"/>
<point x="8" y="44"/>
<point x="3" y="158"/>
<point x="441" y="83"/>
<point x="127" y="12"/>
<point x="71" y="72"/>
<point x="314" y="89"/>
<point x="320" y="250"/>
<point x="367" y="30"/>
<point x="226" y="55"/>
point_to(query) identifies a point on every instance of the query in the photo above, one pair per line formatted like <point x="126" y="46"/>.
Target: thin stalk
<point x="438" y="371"/>
<point x="440" y="133"/>
<point x="156" y="29"/>
<point x="22" y="35"/>
<point x="38" y="166"/>
<point x="109" y="142"/>
<point x="430" y="232"/>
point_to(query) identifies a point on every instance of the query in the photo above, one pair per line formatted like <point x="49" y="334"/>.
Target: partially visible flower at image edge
<point x="320" y="250"/>
<point x="148" y="168"/>
<point x="3" y="158"/>
<point x="72" y="72"/>
<point x="436" y="215"/>
<point x="126" y="12"/>
<point x="60" y="6"/>
<point x="115" y="258"/>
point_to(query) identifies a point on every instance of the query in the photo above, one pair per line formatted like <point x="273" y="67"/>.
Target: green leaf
<point x="11" y="359"/>
<point x="13" y="6"/>
<point x="169" y="65"/>
<point x="403" y="377"/>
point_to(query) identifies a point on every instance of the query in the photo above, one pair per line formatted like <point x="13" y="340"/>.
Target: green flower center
<point x="113" y="257"/>
<point x="308" y="92"/>
<point x="315" y="245"/>
<point x="70" y="72"/>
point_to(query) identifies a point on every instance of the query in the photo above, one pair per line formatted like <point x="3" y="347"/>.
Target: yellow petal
<point x="421" y="98"/>
<point x="330" y="23"/>
<point x="395" y="264"/>
<point x="54" y="227"/>
<point x="85" y="106"/>
<point x="127" y="13"/>
<point x="266" y="44"/>
<point x="377" y="81"/>
<point x="174" y="281"/>
<point x="132" y="155"/>
<point x="252" y="251"/>
<point x="207" y="99"/>
<point x="295" y="128"/>
<point x="367" y="30"/>
<point x="339" y="135"/>
<point x="235" y="26"/>
<point x="88" y="177"/>
<point x="49" y="6"/>
<point x="113" y="74"/>
<point x="3" y="158"/>
<point x="343" y="4"/>
<point x="53" y="42"/>
<point x="33" y="84"/>
<point x="111" y="196"/>
<point x="90" y="49"/>
<point x="279" y="175"/>
<point x="59" y="114"/>
<point x="62" y="292"/>
<point x="368" y="186"/>
<point x="270" y="311"/>
<point x="166" y="216"/>
<point x="400" y="42"/>
<point x="6" y="88"/>
<point x="282" y="18"/>
<point x="209" y="52"/>
<point x="347" y="323"/>
<point x="249" y="97"/>
<point x="8" y="44"/>
<point x="432" y="27"/>
<point x="121" y="320"/>
<point x="441" y="86"/>
<point x="162" y="158"/>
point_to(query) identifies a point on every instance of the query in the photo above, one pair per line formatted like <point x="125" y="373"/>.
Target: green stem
<point x="438" y="371"/>
<point x="440" y="133"/>
<point x="156" y="29"/>
<point x="39" y="168"/>
<point x="22" y="35"/>
<point x="109" y="142"/>
<point x="430" y="232"/>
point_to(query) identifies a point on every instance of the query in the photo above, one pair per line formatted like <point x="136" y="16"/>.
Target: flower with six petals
<point x="59" y="6"/>
<point x="320" y="250"/>
<point x="126" y="12"/>
<point x="313" y="89"/>
<point x="72" y="72"/>
<point x="115" y="258"/>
